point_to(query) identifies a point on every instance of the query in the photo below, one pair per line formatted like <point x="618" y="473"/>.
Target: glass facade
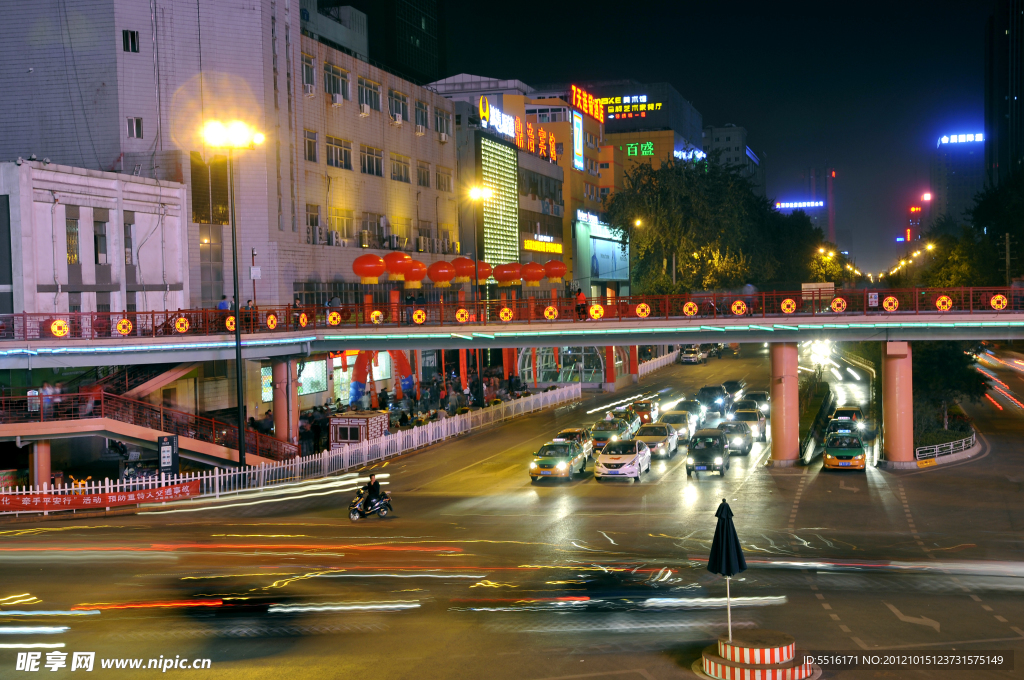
<point x="499" y="172"/>
<point x="574" y="364"/>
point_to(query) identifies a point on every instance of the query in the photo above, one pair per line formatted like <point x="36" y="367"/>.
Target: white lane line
<point x="608" y="537"/>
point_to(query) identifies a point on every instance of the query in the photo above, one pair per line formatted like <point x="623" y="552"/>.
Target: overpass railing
<point x="820" y="303"/>
<point x="938" y="450"/>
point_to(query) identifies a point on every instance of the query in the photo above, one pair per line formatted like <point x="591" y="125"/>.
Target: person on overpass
<point x="581" y="304"/>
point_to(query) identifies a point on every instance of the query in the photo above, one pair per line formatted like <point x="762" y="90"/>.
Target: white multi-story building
<point x="127" y="87"/>
<point x="730" y="141"/>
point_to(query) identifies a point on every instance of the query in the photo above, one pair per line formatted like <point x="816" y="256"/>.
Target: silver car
<point x="692" y="355"/>
<point x="661" y="438"/>
<point x="680" y="422"/>
<point x="756" y="421"/>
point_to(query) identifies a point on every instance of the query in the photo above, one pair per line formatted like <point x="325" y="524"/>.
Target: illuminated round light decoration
<point x="419" y="316"/>
<point x="999" y="301"/>
<point x="124" y="326"/>
<point x="944" y="303"/>
<point x="462" y="315"/>
<point x="690" y="308"/>
<point x="229" y="323"/>
<point x="334" y="318"/>
<point x="838" y="305"/>
<point x="506" y="314"/>
<point x="788" y="306"/>
<point x="59" y="328"/>
<point x="643" y="310"/>
<point x="271" y="321"/>
<point x="739" y="307"/>
<point x="890" y="303"/>
<point x="596" y="311"/>
<point x="551" y="312"/>
<point x="303" y="320"/>
<point x="377" y="317"/>
<point x="181" y="324"/>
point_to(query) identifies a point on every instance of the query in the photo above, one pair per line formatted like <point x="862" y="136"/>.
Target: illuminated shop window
<point x="501" y="211"/>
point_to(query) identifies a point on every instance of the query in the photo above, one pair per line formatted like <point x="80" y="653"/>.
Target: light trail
<point x="32" y="630"/>
<point x="397" y="605"/>
<point x="34" y="645"/>
<point x="173" y="604"/>
<point x="994" y="402"/>
<point x="45" y="612"/>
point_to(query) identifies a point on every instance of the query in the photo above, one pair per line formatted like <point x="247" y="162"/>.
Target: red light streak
<point x="992" y="377"/>
<point x="520" y="599"/>
<point x="994" y="402"/>
<point x="1009" y="396"/>
<point x="165" y="547"/>
<point x="150" y="605"/>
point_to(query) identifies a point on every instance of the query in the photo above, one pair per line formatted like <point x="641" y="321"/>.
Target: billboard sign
<point x="577" y="140"/>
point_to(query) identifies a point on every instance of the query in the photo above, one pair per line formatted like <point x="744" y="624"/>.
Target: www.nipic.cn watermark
<point x="86" y="661"/>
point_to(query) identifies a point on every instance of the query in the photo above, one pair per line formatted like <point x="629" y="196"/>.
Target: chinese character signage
<point x="628" y="106"/>
<point x="492" y="117"/>
<point x="168" y="447"/>
<point x="641" y="148"/>
<point x="577" y="140"/>
<point x="587" y="103"/>
<point x="49" y="502"/>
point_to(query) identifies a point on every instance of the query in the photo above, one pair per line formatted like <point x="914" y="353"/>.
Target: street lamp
<point x="638" y="223"/>
<point x="231" y="136"/>
<point x="478" y="194"/>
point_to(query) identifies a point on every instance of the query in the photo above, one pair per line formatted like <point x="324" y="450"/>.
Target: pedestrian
<point x="223" y="305"/>
<point x="47" y="393"/>
<point x="409" y="302"/>
<point x="581" y="304"/>
<point x="296" y="311"/>
<point x="382" y="399"/>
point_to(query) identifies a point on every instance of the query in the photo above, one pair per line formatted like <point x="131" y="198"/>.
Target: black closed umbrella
<point x="726" y="554"/>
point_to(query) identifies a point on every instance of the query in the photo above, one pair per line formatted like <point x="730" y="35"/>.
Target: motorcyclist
<point x="371" y="493"/>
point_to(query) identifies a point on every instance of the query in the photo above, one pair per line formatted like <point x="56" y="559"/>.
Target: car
<point x="763" y="400"/>
<point x="627" y="414"/>
<point x="580" y="435"/>
<point x="741" y="405"/>
<point x="661" y="438"/>
<point x="647" y="410"/>
<point x="623" y="459"/>
<point x="735" y="388"/>
<point x="755" y="420"/>
<point x="847" y="413"/>
<point x="558" y="459"/>
<point x="692" y="355"/>
<point x="710" y="349"/>
<point x="845" y="450"/>
<point x="844" y="427"/>
<point x="607" y="431"/>
<point x="714" y="398"/>
<point x="697" y="411"/>
<point x="707" y="452"/>
<point x="680" y="422"/>
<point x="738" y="438"/>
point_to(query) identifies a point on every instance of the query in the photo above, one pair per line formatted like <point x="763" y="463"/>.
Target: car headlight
<point x="860" y="425"/>
<point x="533" y="465"/>
<point x="659" y="445"/>
<point x="858" y="456"/>
<point x="718" y="460"/>
<point x="718" y="401"/>
<point x="615" y="437"/>
<point x="689" y="461"/>
<point x="561" y="466"/>
<point x="730" y="416"/>
<point x="755" y="430"/>
<point x="737" y="441"/>
<point x="829" y="456"/>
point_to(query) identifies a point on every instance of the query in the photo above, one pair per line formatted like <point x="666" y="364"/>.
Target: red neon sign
<point x="585" y="102"/>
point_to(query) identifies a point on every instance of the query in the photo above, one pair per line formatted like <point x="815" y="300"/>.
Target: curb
<point x="930" y="462"/>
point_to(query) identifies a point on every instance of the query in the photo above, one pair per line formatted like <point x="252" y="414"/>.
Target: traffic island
<point x="755" y="653"/>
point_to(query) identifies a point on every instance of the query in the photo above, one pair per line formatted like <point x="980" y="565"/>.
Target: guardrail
<point x="820" y="303"/>
<point x="653" y="365"/>
<point x="926" y="452"/>
<point x="218" y="482"/>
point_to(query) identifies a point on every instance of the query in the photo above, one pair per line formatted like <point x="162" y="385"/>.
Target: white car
<point x="692" y="355"/>
<point x="661" y="438"/>
<point x="756" y="421"/>
<point x="629" y="459"/>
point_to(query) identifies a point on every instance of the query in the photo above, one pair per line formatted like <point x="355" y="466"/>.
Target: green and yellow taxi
<point x="845" y="450"/>
<point x="558" y="459"/>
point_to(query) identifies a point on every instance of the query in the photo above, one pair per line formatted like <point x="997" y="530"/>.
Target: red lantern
<point x="508" y="274"/>
<point x="555" y="270"/>
<point x="483" y="271"/>
<point x="368" y="267"/>
<point x="397" y="264"/>
<point x="533" y="272"/>
<point x="415" y="274"/>
<point x="464" y="270"/>
<point x="441" y="273"/>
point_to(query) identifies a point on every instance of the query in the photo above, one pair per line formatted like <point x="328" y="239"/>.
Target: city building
<point x="729" y="145"/>
<point x="957" y="174"/>
<point x="342" y="27"/>
<point x="405" y="36"/>
<point x="1004" y="90"/>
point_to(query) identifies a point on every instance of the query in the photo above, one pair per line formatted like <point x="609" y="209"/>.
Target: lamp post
<point x="231" y="136"/>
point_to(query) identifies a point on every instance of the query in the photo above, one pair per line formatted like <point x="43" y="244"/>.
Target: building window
<point x="442" y="121"/>
<point x="339" y="153"/>
<point x="308" y="78"/>
<point x="312" y="215"/>
<point x="130" y="41"/>
<point x="310" y="146"/>
<point x="605" y="166"/>
<point x="398" y="104"/>
<point x="211" y="264"/>
<point x="443" y="179"/>
<point x="99" y="241"/>
<point x="71" y="226"/>
<point x="134" y="128"/>
<point x="129" y="258"/>
<point x="604" y="192"/>
<point x="422" y="118"/>
<point x="267" y="384"/>
<point x="340" y="220"/>
<point x="369" y="94"/>
<point x="372" y="222"/>
<point x="399" y="168"/>
<point x="371" y="161"/>
<point x="335" y="80"/>
<point x="728" y="139"/>
<point x="423" y="174"/>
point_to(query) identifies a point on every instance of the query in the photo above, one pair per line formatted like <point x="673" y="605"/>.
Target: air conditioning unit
<point x="364" y="110"/>
<point x="101" y="258"/>
<point x="334" y="238"/>
<point x="442" y="137"/>
<point x="422" y="244"/>
<point x="364" y="239"/>
<point x="421" y="130"/>
<point x="437" y="246"/>
<point x="308" y="89"/>
<point x="337" y="99"/>
<point x="397" y="120"/>
<point x="456" y="247"/>
<point x="446" y="245"/>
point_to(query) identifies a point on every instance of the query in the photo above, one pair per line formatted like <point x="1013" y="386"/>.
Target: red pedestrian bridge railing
<point x="49" y="408"/>
<point x="821" y="303"/>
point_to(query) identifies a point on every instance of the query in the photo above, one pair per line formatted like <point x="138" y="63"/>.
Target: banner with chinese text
<point x="44" y="502"/>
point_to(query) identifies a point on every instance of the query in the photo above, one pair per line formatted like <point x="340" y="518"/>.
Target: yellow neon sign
<point x="542" y="246"/>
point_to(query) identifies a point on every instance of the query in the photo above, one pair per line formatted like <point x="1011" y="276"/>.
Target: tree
<point x="944" y="375"/>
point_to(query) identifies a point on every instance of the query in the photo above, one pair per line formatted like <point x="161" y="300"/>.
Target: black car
<point x="694" y="408"/>
<point x="714" y="398"/>
<point x="707" y="453"/>
<point x="738" y="438"/>
<point x="735" y="387"/>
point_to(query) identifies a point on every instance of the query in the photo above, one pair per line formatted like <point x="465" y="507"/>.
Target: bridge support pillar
<point x="897" y="403"/>
<point x="634" y="363"/>
<point x="40" y="467"/>
<point x="785" y="412"/>
<point x="609" y="369"/>
<point x="286" y="400"/>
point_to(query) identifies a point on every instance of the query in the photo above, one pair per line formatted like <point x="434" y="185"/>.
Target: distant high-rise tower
<point x="407" y="36"/>
<point x="1004" y="90"/>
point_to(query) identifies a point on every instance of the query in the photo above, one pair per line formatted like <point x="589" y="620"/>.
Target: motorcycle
<point x="381" y="506"/>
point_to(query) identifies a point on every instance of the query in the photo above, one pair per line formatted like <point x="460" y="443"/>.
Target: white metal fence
<point x="924" y="452"/>
<point x="654" y="364"/>
<point x="221" y="481"/>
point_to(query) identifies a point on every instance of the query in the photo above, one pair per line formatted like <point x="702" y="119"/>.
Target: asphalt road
<point x="481" y="573"/>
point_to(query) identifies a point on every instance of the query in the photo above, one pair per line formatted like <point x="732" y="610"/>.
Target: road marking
<point x="842" y="485"/>
<point x="919" y="620"/>
<point x="608" y="537"/>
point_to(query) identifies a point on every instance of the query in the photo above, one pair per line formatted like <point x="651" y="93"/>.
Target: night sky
<point x="867" y="87"/>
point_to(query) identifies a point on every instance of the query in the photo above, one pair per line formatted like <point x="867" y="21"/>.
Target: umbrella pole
<point x="728" y="607"/>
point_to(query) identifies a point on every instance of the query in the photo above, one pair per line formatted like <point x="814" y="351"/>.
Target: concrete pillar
<point x="609" y="369"/>
<point x="634" y="363"/>
<point x="395" y="298"/>
<point x="785" y="413"/>
<point x="40" y="467"/>
<point x="286" y="400"/>
<point x="897" y="403"/>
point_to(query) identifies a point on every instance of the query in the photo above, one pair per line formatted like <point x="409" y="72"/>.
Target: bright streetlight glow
<point x="821" y="250"/>
<point x="233" y="135"/>
<point x="930" y="246"/>
<point x="638" y="223"/>
<point x="926" y="196"/>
